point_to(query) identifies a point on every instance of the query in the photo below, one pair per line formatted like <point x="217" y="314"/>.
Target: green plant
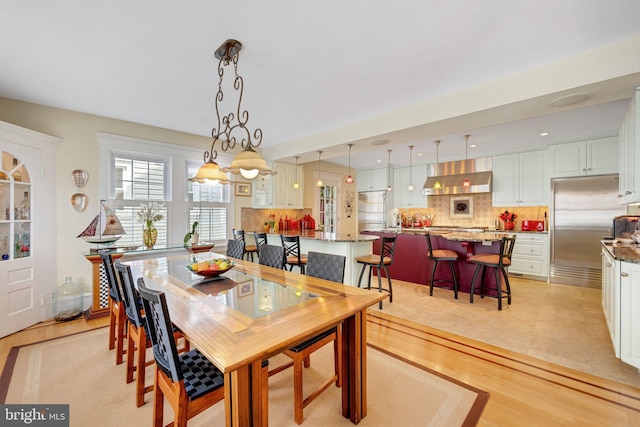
<point x="188" y="236"/>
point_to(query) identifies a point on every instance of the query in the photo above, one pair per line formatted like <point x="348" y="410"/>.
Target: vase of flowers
<point x="148" y="215"/>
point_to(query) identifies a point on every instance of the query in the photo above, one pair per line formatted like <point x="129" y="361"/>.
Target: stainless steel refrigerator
<point x="372" y="211"/>
<point x="581" y="215"/>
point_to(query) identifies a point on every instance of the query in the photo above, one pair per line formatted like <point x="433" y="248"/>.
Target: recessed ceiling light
<point x="574" y="98"/>
<point x="419" y="154"/>
<point x="379" y="161"/>
<point x="472" y="146"/>
<point x="544" y="134"/>
<point x="379" y="142"/>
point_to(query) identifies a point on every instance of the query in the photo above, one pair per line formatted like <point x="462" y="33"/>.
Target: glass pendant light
<point x="466" y="146"/>
<point x="319" y="183"/>
<point x="410" y="188"/>
<point x="349" y="179"/>
<point x="389" y="188"/>
<point x="437" y="185"/>
<point x="296" y="184"/>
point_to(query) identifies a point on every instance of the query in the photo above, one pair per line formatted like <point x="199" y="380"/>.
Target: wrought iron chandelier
<point x="231" y="128"/>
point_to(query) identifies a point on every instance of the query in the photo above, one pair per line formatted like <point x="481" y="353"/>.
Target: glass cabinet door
<point x="15" y="209"/>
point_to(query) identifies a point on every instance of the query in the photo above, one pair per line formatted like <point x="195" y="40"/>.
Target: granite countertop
<point x="626" y="252"/>
<point x="444" y="229"/>
<point x="329" y="237"/>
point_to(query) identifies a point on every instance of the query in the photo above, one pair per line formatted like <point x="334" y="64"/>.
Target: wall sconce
<point x="79" y="200"/>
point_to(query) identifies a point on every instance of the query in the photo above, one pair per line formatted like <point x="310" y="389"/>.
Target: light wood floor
<point x="524" y="390"/>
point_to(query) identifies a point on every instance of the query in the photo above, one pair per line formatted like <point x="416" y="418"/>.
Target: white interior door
<point x="21" y="282"/>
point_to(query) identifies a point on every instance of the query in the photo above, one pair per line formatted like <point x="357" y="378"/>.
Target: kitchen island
<point x="350" y="246"/>
<point x="621" y="298"/>
<point x="411" y="263"/>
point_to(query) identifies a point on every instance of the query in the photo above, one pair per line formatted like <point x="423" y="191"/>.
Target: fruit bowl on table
<point x="207" y="269"/>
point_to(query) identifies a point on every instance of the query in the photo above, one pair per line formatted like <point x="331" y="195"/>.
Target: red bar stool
<point x="498" y="262"/>
<point x="446" y="255"/>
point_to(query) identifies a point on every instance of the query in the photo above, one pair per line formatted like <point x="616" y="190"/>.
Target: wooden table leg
<point x="243" y="397"/>
<point x="354" y="368"/>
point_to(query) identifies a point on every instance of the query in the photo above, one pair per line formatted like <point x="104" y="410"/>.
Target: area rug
<point x="79" y="370"/>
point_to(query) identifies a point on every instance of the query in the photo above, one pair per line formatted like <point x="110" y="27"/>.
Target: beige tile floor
<point x="557" y="323"/>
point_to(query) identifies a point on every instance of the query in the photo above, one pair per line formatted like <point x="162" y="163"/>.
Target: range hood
<point x="451" y="177"/>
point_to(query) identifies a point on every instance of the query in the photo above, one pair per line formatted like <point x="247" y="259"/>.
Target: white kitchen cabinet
<point x="376" y="179"/>
<point x="521" y="179"/>
<point x="531" y="255"/>
<point x="592" y="157"/>
<point x="629" y="313"/>
<point x="262" y="195"/>
<point x="276" y="191"/>
<point x="629" y="136"/>
<point x="285" y="196"/>
<point x="402" y="196"/>
<point x="611" y="297"/>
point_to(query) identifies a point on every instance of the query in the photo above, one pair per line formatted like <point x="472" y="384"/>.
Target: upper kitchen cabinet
<point x="521" y="179"/>
<point x="276" y="191"/>
<point x="262" y="196"/>
<point x="629" y="134"/>
<point x="376" y="179"/>
<point x="285" y="196"/>
<point x="402" y="196"/>
<point x="591" y="157"/>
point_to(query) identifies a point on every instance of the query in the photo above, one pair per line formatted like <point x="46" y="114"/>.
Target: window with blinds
<point x="139" y="181"/>
<point x="209" y="205"/>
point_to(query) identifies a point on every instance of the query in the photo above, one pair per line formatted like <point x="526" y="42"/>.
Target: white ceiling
<point x="319" y="75"/>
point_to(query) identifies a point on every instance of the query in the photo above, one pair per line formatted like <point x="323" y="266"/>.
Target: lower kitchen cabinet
<point x="531" y="255"/>
<point x="611" y="297"/>
<point x="629" y="313"/>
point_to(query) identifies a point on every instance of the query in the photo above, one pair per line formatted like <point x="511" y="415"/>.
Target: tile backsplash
<point x="480" y="211"/>
<point x="254" y="219"/>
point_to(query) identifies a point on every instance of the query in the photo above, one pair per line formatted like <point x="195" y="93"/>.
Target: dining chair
<point x="442" y="255"/>
<point x="189" y="381"/>
<point x="249" y="250"/>
<point x="260" y="239"/>
<point x="117" y="317"/>
<point x="293" y="257"/>
<point x="137" y="336"/>
<point x="498" y="262"/>
<point x="271" y="255"/>
<point x="329" y="267"/>
<point x="379" y="262"/>
<point x="235" y="249"/>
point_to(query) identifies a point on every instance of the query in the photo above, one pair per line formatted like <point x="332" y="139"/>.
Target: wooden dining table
<point x="252" y="313"/>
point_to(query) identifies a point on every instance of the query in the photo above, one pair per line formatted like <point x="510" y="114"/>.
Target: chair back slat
<point x="429" y="247"/>
<point x="271" y="255"/>
<point x="235" y="249"/>
<point x="114" y="288"/>
<point x="160" y="330"/>
<point x="506" y="248"/>
<point x="326" y="266"/>
<point x="291" y="246"/>
<point x="261" y="239"/>
<point x="130" y="295"/>
<point x="238" y="234"/>
<point x="387" y="248"/>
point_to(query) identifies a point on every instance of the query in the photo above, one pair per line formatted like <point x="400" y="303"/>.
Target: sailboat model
<point x="105" y="227"/>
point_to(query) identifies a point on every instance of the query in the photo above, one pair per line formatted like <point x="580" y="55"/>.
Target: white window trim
<point x="177" y="155"/>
